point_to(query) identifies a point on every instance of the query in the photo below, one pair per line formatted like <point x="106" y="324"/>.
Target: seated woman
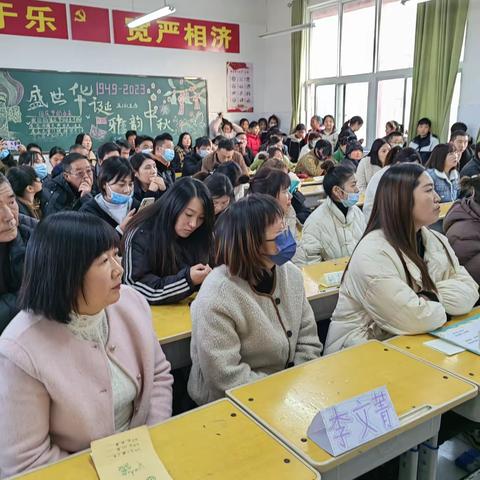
<point x="370" y="165"/>
<point x="334" y="228"/>
<point x="315" y="163"/>
<point x="221" y="191"/>
<point x="442" y="167"/>
<point x="237" y="179"/>
<point x="251" y="317"/>
<point x="353" y="155"/>
<point x="403" y="278"/>
<point x="26" y="185"/>
<point x="115" y="203"/>
<point x="462" y="226"/>
<point x="276" y="183"/>
<point x="80" y="361"/>
<point x="167" y="245"/>
<point x="147" y="183"/>
<point x="34" y="159"/>
<point x="182" y="149"/>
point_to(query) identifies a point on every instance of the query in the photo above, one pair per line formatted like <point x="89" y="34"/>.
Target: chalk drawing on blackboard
<point x="11" y="94"/>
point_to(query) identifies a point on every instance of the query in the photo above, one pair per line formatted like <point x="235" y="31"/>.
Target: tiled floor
<point x="447" y="470"/>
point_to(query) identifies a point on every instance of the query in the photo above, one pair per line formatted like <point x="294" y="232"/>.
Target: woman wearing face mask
<point x="167" y="245"/>
<point x="442" y="167"/>
<point x="26" y="185"/>
<point x="192" y="163"/>
<point x="34" y="159"/>
<point x="147" y="183"/>
<point x="251" y="317"/>
<point x="334" y="228"/>
<point x="315" y="163"/>
<point x="403" y="278"/>
<point x="370" y="165"/>
<point x="115" y="203"/>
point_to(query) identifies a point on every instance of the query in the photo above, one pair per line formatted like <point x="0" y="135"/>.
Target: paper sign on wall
<point x="128" y="455"/>
<point x="354" y="422"/>
<point x="239" y="87"/>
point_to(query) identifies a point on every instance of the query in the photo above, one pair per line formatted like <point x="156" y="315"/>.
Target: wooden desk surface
<point x="217" y="441"/>
<point x="286" y="402"/>
<point x="313" y="275"/>
<point x="465" y="364"/>
<point x="312" y="189"/>
<point x="172" y="322"/>
<point x="312" y="181"/>
<point x="444" y="208"/>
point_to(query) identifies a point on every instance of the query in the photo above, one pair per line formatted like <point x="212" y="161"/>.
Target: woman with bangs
<point x="81" y="360"/>
<point x="403" y="278"/>
<point x="251" y="317"/>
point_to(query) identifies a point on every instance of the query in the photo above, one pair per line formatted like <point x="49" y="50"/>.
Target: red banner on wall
<point x="175" y="32"/>
<point x="90" y="23"/>
<point x="33" y="18"/>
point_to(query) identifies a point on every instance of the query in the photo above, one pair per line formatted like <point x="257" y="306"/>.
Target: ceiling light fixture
<point x="161" y="12"/>
<point x="296" y="28"/>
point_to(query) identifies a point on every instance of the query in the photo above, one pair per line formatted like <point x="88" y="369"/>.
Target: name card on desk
<point x="128" y="455"/>
<point x="353" y="422"/>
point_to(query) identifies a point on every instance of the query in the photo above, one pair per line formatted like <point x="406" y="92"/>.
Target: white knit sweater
<point x="239" y="335"/>
<point x="94" y="328"/>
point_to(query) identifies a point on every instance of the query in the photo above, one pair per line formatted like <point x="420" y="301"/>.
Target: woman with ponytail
<point x="462" y="226"/>
<point x="349" y="129"/>
<point x="403" y="278"/>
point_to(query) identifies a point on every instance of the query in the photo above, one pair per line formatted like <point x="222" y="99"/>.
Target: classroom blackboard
<point x="51" y="108"/>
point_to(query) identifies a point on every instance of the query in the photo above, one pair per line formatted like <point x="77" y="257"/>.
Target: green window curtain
<point x="298" y="56"/>
<point x="438" y="44"/>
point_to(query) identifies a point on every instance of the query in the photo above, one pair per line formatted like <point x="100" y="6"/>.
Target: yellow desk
<point x="312" y="181"/>
<point x="285" y="403"/>
<point x="444" y="208"/>
<point x="173" y="326"/>
<point x="313" y="275"/>
<point x="465" y="364"/>
<point x="313" y="194"/>
<point x="215" y="442"/>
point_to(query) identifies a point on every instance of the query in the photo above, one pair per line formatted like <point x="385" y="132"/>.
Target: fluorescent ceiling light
<point x="296" y="28"/>
<point x="413" y="2"/>
<point x="161" y="12"/>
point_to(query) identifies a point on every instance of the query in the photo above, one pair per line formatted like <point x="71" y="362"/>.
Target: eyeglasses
<point x="82" y="173"/>
<point x="283" y="230"/>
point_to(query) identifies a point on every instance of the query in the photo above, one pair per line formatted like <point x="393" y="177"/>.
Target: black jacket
<point x="12" y="270"/>
<point x="138" y="272"/>
<point x="191" y="164"/>
<point x="471" y="168"/>
<point x="349" y="163"/>
<point x="58" y="195"/>
<point x="167" y="173"/>
<point x="94" y="208"/>
<point x="298" y="204"/>
<point x="139" y="194"/>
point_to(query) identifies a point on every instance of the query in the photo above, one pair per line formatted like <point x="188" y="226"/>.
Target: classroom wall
<point x="51" y="54"/>
<point x="469" y="108"/>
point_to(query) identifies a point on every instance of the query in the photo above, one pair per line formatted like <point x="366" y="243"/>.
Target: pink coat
<point x="55" y="388"/>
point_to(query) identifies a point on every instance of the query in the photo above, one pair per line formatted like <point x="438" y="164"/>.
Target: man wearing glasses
<point x="71" y="189"/>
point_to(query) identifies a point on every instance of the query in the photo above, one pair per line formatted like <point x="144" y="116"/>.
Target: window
<point x="390" y="103"/>
<point x="455" y="100"/>
<point x="397" y="22"/>
<point x="358" y="33"/>
<point x="356" y="103"/>
<point x="325" y="100"/>
<point x="324" y="43"/>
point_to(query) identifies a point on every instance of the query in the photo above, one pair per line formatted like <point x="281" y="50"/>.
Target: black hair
<point x="253" y="124"/>
<point x="123" y="144"/>
<point x="336" y="176"/>
<point x="333" y="120"/>
<point x="300" y="127"/>
<point x="218" y="139"/>
<point x="34" y="145"/>
<point x="55" y="150"/>
<point x="325" y="147"/>
<point x="107" y="148"/>
<point x="355" y="119"/>
<point x="70" y="158"/>
<point x="81" y="137"/>
<point x="395" y="133"/>
<point x="273" y="139"/>
<point x="458" y="133"/>
<point x="274" y="117"/>
<point x="142" y="138"/>
<point x="3" y="179"/>
<point x="28" y="158"/>
<point x="240" y="133"/>
<point x="438" y="157"/>
<point x="406" y="155"/>
<point x="318" y="118"/>
<point x="219" y="185"/>
<point x="226" y="144"/>
<point x="167" y="252"/>
<point x="114" y="169"/>
<point x="262" y="120"/>
<point x="458" y="126"/>
<point x="75" y="146"/>
<point x="346" y="139"/>
<point x="269" y="181"/>
<point x="272" y="150"/>
<point x="130" y="133"/>
<point x="161" y="139"/>
<point x="181" y="137"/>
<point x="58" y="242"/>
<point x="137" y="159"/>
<point x="20" y="178"/>
<point x="376" y="146"/>
<point x="233" y="172"/>
<point x="203" y="142"/>
<point x="243" y="120"/>
<point x="425" y="121"/>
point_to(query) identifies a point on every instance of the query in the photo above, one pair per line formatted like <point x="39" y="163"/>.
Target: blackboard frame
<point x="189" y="77"/>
